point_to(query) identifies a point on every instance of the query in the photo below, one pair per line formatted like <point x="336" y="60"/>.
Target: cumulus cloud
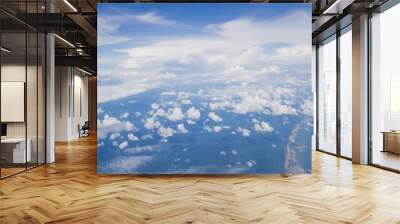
<point x="214" y="129"/>
<point x="235" y="50"/>
<point x="175" y="114"/>
<point x="151" y="123"/>
<point x="142" y="149"/>
<point x="166" y="132"/>
<point x="126" y="164"/>
<point x="114" y="136"/>
<point x="193" y="113"/>
<point x="262" y="126"/>
<point x="123" y="145"/>
<point x="112" y="125"/>
<point x="245" y="132"/>
<point x="251" y="163"/>
<point x="213" y="116"/>
<point x="146" y="137"/>
<point x="124" y="115"/>
<point x="190" y="122"/>
<point x="132" y="137"/>
<point x="217" y="129"/>
<point x="181" y="128"/>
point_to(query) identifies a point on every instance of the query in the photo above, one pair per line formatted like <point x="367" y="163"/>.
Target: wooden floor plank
<point x="70" y="191"/>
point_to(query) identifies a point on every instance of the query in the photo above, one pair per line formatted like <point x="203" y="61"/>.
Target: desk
<point x="391" y="141"/>
<point x="19" y="155"/>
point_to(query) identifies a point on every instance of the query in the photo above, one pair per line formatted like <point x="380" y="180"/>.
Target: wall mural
<point x="204" y="88"/>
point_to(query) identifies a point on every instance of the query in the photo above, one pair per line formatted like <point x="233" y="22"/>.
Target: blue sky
<point x="135" y="37"/>
<point x="174" y="77"/>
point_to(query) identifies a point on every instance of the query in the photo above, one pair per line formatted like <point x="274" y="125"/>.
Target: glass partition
<point x="346" y="93"/>
<point x="327" y="95"/>
<point x="13" y="108"/>
<point x="385" y="89"/>
<point x="22" y="77"/>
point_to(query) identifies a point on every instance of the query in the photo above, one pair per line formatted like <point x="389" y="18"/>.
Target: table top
<point x="13" y="140"/>
<point x="391" y="132"/>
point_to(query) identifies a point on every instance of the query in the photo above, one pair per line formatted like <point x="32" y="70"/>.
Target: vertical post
<point x="317" y="97"/>
<point x="360" y="89"/>
<point x="50" y="92"/>
<point x="338" y="109"/>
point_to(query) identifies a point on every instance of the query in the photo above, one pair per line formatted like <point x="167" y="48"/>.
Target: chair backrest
<point x="86" y="125"/>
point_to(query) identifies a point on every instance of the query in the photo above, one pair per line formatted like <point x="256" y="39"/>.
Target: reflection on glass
<point x="386" y="89"/>
<point x="41" y="98"/>
<point x="346" y="94"/>
<point x="14" y="153"/>
<point x="31" y="101"/>
<point x="22" y="91"/>
<point x="327" y="96"/>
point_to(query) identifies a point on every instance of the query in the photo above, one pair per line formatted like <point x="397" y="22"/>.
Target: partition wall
<point x="334" y="90"/>
<point x="385" y="88"/>
<point x="334" y="105"/>
<point x="22" y="77"/>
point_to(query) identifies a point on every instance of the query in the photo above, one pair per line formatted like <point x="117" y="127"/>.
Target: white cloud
<point x="234" y="152"/>
<point x="235" y="50"/>
<point x="114" y="136"/>
<point x="175" y="114"/>
<point x="262" y="127"/>
<point x="151" y="123"/>
<point x="124" y="115"/>
<point x="217" y="129"/>
<point x="181" y="128"/>
<point x="123" y="145"/>
<point x="127" y="164"/>
<point x="109" y="25"/>
<point x="223" y="153"/>
<point x="154" y="18"/>
<point x="207" y="128"/>
<point x="169" y="93"/>
<point x="146" y="137"/>
<point x="213" y="116"/>
<point x="190" y="122"/>
<point x="100" y="111"/>
<point x="140" y="149"/>
<point x="160" y="112"/>
<point x="132" y="137"/>
<point x="113" y="125"/>
<point x="166" y="132"/>
<point x="245" y="132"/>
<point x="251" y="163"/>
<point x="308" y="107"/>
<point x="193" y="113"/>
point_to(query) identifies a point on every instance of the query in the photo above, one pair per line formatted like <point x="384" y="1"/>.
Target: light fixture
<point x="70" y="5"/>
<point x="65" y="41"/>
<point x="337" y="7"/>
<point x="84" y="71"/>
<point x="5" y="50"/>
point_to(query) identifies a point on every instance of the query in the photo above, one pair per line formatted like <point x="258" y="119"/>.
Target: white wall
<point x="70" y="84"/>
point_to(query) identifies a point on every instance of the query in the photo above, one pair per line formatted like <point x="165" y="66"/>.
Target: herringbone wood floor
<point x="70" y="191"/>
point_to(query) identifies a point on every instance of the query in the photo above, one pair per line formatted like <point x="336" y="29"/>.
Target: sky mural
<point x="204" y="88"/>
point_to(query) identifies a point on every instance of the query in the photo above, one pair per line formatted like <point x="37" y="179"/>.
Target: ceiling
<point x="75" y="21"/>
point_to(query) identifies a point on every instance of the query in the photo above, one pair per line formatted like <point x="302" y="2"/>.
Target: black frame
<point x="30" y="29"/>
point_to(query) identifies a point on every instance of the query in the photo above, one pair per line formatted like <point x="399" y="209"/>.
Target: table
<point x="391" y="141"/>
<point x="16" y="147"/>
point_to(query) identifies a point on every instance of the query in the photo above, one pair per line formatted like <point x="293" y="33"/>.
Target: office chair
<point x="84" y="130"/>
